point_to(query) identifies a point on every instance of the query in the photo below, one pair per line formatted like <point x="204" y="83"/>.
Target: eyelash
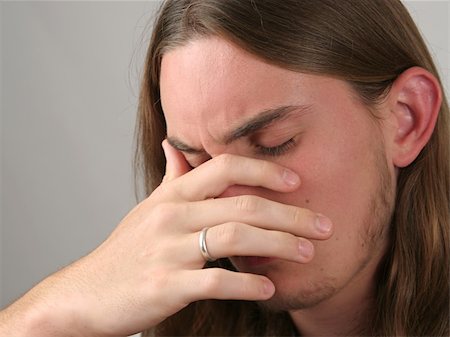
<point x="278" y="150"/>
<point x="273" y="151"/>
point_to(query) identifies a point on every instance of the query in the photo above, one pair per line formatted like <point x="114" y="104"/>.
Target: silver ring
<point x="202" y="244"/>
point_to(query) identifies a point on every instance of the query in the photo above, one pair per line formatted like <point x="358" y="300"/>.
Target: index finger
<point x="212" y="178"/>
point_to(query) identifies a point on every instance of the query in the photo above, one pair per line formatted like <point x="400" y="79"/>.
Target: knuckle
<point x="224" y="160"/>
<point x="160" y="192"/>
<point x="247" y="284"/>
<point x="292" y="242"/>
<point x="159" y="279"/>
<point x="283" y="245"/>
<point x="296" y="215"/>
<point x="246" y="203"/>
<point x="281" y="240"/>
<point x="211" y="282"/>
<point x="229" y="234"/>
<point x="265" y="168"/>
<point x="165" y="214"/>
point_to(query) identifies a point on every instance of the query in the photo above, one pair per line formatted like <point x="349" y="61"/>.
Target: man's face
<point x="210" y="87"/>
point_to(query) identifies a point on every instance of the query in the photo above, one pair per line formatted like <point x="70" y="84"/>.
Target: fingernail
<point x="268" y="288"/>
<point x="290" y="177"/>
<point x="323" y="224"/>
<point x="305" y="248"/>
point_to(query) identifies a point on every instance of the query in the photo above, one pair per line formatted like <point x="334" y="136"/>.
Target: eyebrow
<point x="251" y="126"/>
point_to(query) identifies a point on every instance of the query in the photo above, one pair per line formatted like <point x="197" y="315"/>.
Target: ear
<point x="414" y="101"/>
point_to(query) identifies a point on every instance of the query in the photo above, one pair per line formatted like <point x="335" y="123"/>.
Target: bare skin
<point x="217" y="99"/>
<point x="151" y="266"/>
<point x="336" y="154"/>
<point x="261" y="188"/>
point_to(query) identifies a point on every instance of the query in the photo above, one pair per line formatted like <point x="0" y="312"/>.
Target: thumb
<point x="176" y="164"/>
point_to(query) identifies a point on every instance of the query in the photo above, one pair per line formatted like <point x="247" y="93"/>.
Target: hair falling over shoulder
<point x="319" y="37"/>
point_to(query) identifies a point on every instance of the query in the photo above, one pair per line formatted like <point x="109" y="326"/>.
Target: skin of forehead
<point x="230" y="71"/>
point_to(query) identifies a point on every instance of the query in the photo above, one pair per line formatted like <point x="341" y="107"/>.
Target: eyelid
<point x="277" y="150"/>
<point x="271" y="151"/>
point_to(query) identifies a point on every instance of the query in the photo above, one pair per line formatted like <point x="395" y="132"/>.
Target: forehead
<point x="211" y="68"/>
<point x="210" y="85"/>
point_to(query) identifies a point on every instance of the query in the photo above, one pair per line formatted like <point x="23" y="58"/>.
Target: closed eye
<point x="275" y="151"/>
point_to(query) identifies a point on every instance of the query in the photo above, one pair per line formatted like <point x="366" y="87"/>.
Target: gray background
<point x="69" y="91"/>
<point x="69" y="84"/>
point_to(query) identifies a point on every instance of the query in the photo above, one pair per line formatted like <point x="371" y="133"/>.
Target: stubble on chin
<point x="301" y="299"/>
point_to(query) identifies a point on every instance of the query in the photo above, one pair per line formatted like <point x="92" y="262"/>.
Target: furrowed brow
<point x="262" y="120"/>
<point x="249" y="127"/>
<point x="180" y="146"/>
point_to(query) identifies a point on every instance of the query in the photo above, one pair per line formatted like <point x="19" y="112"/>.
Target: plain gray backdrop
<point x="69" y="85"/>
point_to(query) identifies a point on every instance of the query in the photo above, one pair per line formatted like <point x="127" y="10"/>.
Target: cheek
<point x="339" y="176"/>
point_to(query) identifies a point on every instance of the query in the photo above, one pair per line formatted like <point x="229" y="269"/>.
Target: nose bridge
<point x="214" y="147"/>
<point x="215" y="151"/>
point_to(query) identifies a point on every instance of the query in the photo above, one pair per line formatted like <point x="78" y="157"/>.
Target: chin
<point x="296" y="293"/>
<point x="297" y="287"/>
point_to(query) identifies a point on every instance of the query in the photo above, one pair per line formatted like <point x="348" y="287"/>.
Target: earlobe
<point x="415" y="99"/>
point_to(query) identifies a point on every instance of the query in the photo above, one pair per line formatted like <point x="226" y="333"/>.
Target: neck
<point x="347" y="313"/>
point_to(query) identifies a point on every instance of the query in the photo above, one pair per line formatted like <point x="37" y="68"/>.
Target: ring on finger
<point x="203" y="246"/>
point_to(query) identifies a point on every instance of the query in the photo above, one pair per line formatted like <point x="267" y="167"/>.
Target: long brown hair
<point x="367" y="43"/>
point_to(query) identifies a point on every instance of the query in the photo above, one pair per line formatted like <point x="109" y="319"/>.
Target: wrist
<point x="35" y="315"/>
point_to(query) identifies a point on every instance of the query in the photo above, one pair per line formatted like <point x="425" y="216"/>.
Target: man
<point x="335" y="91"/>
<point x="307" y="148"/>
